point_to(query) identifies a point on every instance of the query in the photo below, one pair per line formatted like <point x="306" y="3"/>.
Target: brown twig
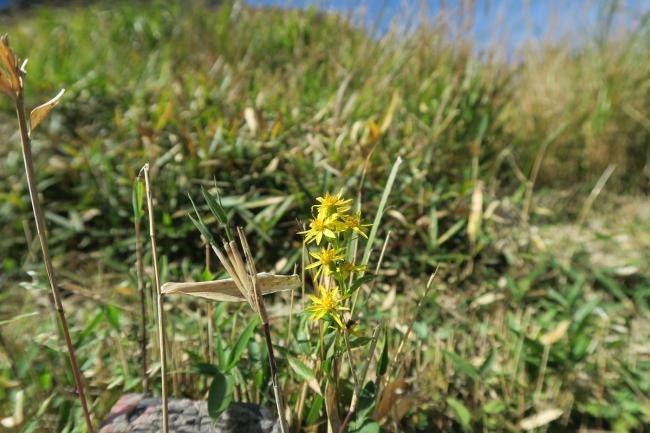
<point x="40" y="227"/>
<point x="261" y="311"/>
<point x="159" y="300"/>
<point x="209" y="312"/>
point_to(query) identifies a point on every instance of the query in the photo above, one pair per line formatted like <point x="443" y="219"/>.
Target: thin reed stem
<point x="379" y="262"/>
<point x="139" y="266"/>
<point x="209" y="312"/>
<point x="357" y="388"/>
<point x="159" y="300"/>
<point x="396" y="364"/>
<point x="358" y="381"/>
<point x="42" y="236"/>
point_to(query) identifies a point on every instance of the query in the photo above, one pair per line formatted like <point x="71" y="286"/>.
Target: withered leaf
<point x="226" y="289"/>
<point x="556" y="334"/>
<point x="40" y="113"/>
<point x="476" y="210"/>
<point x="9" y="62"/>
<point x="540" y="419"/>
<point x="5" y="84"/>
<point x="388" y="118"/>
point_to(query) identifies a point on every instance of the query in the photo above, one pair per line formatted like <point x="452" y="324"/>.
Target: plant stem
<point x="358" y="381"/>
<point x="42" y="236"/>
<point x="12" y="361"/>
<point x="209" y="312"/>
<point x="258" y="304"/>
<point x="274" y="377"/>
<point x="143" y="308"/>
<point x="357" y="388"/>
<point x="159" y="300"/>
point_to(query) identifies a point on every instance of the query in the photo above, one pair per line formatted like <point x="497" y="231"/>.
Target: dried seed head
<point x="11" y="75"/>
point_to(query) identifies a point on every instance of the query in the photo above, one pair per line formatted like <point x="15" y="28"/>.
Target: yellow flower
<point x="353" y="222"/>
<point x="319" y="227"/>
<point x="347" y="268"/>
<point x="330" y="204"/>
<point x="325" y="258"/>
<point x="330" y="302"/>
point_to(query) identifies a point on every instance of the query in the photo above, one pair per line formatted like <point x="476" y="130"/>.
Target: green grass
<point x="334" y="108"/>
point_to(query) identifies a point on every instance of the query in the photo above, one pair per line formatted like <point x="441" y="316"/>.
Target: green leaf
<point x="486" y="367"/>
<point x="217" y="210"/>
<point x="433" y="227"/>
<point x="302" y="371"/>
<point x="113" y="316"/>
<point x="218" y="315"/>
<point x="206" y="275"/>
<point x="493" y="407"/>
<point x="249" y="217"/>
<point x="31" y="426"/>
<point x="200" y="225"/>
<point x="137" y="199"/>
<point x="367" y="399"/>
<point x="220" y="394"/>
<point x="221" y="351"/>
<point x="583" y="312"/>
<point x="461" y="413"/>
<point x="382" y="364"/>
<point x="331" y="344"/>
<point x="462" y="365"/>
<point x="380" y="211"/>
<point x="359" y="281"/>
<point x="364" y="426"/>
<point x="205" y="368"/>
<point x="359" y="342"/>
<point x="611" y="286"/>
<point x="90" y="327"/>
<point x="314" y="411"/>
<point x="242" y="342"/>
<point x="450" y="232"/>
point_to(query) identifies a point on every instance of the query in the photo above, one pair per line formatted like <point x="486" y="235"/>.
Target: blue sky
<point x="511" y="20"/>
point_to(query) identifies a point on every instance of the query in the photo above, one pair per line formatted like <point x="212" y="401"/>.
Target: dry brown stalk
<point x="159" y="299"/>
<point x="244" y="276"/>
<point x="261" y="311"/>
<point x="12" y="84"/>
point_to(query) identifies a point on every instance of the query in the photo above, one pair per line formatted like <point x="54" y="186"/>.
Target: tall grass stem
<point x="139" y="267"/>
<point x="42" y="236"/>
<point x="159" y="300"/>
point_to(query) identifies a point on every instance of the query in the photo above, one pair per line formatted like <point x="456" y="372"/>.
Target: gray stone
<point x="134" y="413"/>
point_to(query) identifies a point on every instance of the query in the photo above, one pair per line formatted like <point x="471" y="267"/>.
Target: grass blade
<point x="380" y="211"/>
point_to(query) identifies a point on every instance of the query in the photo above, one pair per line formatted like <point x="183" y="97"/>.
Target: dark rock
<point x="134" y="413"/>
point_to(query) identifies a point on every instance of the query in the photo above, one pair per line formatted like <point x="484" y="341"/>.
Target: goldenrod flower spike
<point x="325" y="258"/>
<point x="320" y="227"/>
<point x="347" y="268"/>
<point x="331" y="204"/>
<point x="353" y="222"/>
<point x="330" y="303"/>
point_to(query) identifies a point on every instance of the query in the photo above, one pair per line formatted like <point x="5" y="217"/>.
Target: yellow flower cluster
<point x="333" y="218"/>
<point x="330" y="302"/>
<point x="330" y="228"/>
